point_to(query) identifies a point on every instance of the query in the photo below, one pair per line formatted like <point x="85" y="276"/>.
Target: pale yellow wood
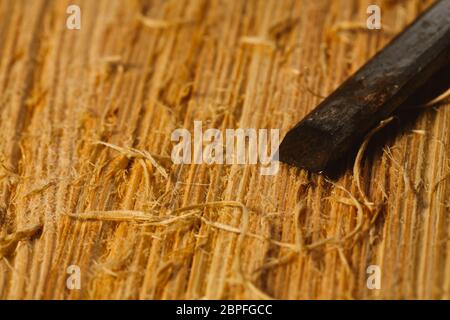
<point x="136" y="71"/>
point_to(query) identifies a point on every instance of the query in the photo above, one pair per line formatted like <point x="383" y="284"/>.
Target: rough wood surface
<point x="230" y="64"/>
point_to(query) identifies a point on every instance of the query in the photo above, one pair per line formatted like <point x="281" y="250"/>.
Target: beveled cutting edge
<point x="372" y="93"/>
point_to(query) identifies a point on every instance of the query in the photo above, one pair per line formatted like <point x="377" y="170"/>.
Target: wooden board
<point x="78" y="108"/>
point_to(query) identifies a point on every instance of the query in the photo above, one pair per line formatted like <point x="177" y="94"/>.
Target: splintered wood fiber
<point x="86" y="178"/>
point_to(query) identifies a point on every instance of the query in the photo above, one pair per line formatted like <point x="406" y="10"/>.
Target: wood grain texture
<point x="124" y="83"/>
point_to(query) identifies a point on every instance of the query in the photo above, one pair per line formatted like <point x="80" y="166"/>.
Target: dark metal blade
<point x="371" y="94"/>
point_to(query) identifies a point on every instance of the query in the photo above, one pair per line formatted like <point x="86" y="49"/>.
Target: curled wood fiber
<point x="86" y="118"/>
